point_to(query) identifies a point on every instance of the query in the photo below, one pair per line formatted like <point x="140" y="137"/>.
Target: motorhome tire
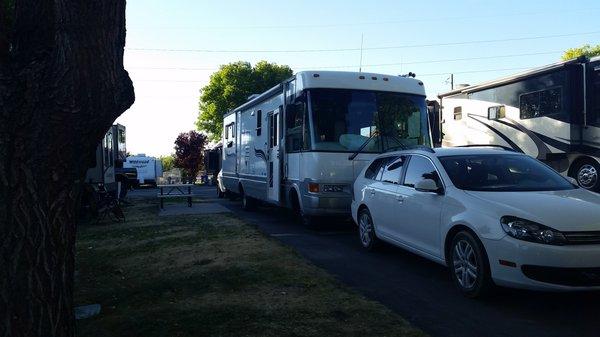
<point x="248" y="203"/>
<point x="586" y="173"/>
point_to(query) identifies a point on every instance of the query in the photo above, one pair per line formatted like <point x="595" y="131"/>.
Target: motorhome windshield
<point x="343" y="120"/>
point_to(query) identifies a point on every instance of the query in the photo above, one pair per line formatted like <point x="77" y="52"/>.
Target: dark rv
<point x="108" y="166"/>
<point x="551" y="113"/>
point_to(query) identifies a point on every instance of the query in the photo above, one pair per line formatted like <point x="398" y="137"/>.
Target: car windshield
<point x="502" y="173"/>
<point x="343" y="120"/>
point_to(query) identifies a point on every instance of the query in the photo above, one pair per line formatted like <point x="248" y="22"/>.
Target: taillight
<point x="313" y="187"/>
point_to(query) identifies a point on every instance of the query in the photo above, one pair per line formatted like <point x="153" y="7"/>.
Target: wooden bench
<point x="175" y="191"/>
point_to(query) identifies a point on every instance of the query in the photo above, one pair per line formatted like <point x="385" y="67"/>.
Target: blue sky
<point x="174" y="46"/>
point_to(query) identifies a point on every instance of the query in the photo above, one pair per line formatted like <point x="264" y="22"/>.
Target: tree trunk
<point x="62" y="84"/>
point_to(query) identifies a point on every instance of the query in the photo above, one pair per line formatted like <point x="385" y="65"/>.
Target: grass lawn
<point x="211" y="275"/>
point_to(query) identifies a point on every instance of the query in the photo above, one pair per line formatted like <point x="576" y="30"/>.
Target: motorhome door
<point x="273" y="165"/>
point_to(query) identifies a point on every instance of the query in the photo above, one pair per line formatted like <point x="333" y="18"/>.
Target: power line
<point x="373" y="65"/>
<point x="439" y="61"/>
<point x="357" y="49"/>
<point x="418" y="75"/>
<point x="474" y="71"/>
<point x="367" y="23"/>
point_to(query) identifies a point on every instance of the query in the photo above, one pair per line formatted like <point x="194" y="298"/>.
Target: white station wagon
<point x="491" y="215"/>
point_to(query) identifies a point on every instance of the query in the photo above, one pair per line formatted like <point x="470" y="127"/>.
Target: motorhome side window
<point x="230" y="134"/>
<point x="297" y="137"/>
<point x="458" y="113"/>
<point x="594" y="116"/>
<point x="540" y="103"/>
<point x="258" y="122"/>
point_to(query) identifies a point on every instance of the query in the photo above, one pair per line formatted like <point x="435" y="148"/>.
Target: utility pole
<point x="451" y="81"/>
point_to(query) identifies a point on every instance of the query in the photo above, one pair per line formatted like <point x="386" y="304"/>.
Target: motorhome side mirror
<point x="427" y="185"/>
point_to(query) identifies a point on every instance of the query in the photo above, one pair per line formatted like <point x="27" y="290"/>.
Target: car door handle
<point x="400" y="198"/>
<point x="372" y="191"/>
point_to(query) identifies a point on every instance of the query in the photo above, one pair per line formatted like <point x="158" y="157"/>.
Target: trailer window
<point x="594" y="93"/>
<point x="230" y="131"/>
<point x="108" y="150"/>
<point x="541" y="103"/>
<point x="510" y="94"/>
<point x="457" y="113"/>
<point x="258" y="122"/>
<point x="273" y="129"/>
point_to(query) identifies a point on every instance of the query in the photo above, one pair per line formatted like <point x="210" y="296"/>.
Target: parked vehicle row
<point x="334" y="143"/>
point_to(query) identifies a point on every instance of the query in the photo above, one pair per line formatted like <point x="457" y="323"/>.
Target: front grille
<point x="574" y="277"/>
<point x="582" y="238"/>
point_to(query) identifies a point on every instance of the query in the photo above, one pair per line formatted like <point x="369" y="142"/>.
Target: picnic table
<point x="175" y="191"/>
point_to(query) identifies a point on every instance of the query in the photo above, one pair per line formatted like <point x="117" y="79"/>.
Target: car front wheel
<point x="366" y="230"/>
<point x="469" y="266"/>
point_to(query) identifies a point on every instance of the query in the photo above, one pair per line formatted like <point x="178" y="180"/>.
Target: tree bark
<point x="62" y="84"/>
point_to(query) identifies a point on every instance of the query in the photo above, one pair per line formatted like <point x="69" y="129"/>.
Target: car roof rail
<point x="506" y="148"/>
<point x="421" y="147"/>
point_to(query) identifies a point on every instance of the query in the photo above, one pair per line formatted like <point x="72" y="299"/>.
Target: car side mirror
<point x="427" y="185"/>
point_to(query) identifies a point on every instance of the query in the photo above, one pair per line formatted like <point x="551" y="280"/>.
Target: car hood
<point x="570" y="210"/>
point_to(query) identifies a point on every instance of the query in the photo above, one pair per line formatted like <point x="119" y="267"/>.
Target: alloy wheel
<point x="465" y="264"/>
<point x="587" y="176"/>
<point x="365" y="227"/>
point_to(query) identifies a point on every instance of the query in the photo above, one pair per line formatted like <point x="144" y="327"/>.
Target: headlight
<point x="531" y="231"/>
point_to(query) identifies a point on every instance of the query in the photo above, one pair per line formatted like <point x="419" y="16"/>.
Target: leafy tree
<point x="189" y="151"/>
<point x="230" y="87"/>
<point x="62" y="85"/>
<point x="585" y="50"/>
<point x="168" y="162"/>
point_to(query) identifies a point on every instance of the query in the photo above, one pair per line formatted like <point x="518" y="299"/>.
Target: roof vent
<point x="361" y="77"/>
<point x="316" y="75"/>
<point x="462" y="85"/>
<point x="374" y="78"/>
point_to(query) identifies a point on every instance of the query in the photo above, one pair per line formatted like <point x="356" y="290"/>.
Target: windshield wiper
<point x="398" y="140"/>
<point x="353" y="155"/>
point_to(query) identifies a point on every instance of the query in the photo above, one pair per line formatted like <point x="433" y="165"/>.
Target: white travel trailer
<point x="302" y="143"/>
<point x="551" y="113"/>
<point x="148" y="168"/>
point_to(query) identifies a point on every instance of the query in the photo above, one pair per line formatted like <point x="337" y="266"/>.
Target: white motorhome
<point x="302" y="143"/>
<point x="551" y="113"/>
<point x="149" y="169"/>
